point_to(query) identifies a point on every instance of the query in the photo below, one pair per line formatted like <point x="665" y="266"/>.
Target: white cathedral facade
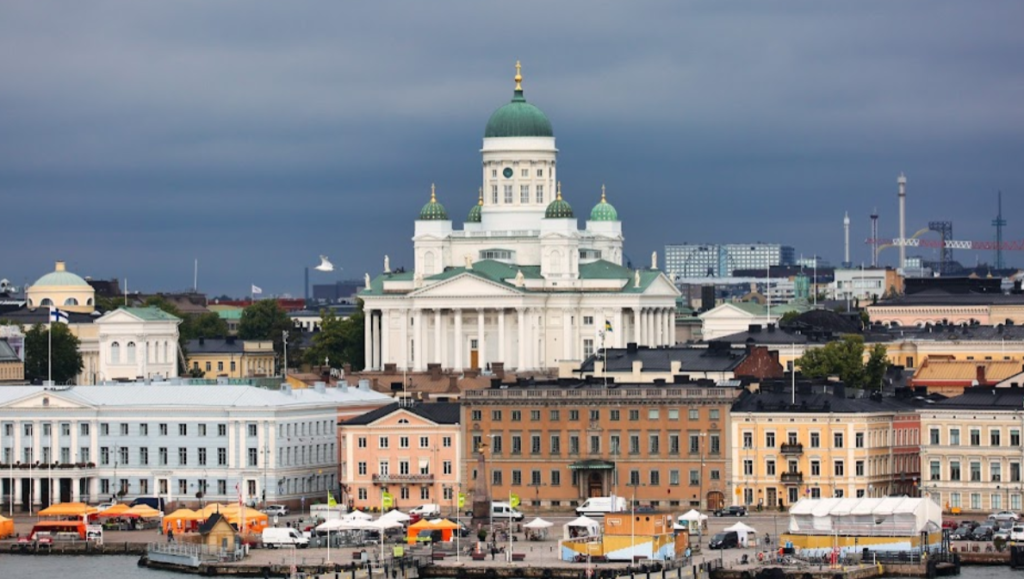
<point x="520" y="284"/>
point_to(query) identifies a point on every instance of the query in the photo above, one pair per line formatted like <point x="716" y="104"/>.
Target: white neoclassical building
<point x="521" y="283"/>
<point x="137" y="343"/>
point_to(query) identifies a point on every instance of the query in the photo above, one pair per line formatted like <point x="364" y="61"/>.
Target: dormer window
<point x="497" y="254"/>
<point x="590" y="254"/>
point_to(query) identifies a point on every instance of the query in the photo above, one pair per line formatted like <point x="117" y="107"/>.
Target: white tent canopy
<point x="538" y="523"/>
<point x="395" y="515"/>
<point x="693" y="515"/>
<point x="890" y="516"/>
<point x="747" y="534"/>
<point x="581" y="527"/>
<point x="358" y="516"/>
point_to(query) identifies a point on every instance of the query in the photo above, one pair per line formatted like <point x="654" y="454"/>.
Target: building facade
<point x="63" y="290"/>
<point x="788" y="446"/>
<point x="231" y="357"/>
<point x="137" y="343"/>
<point x="521" y="283"/>
<point x="412" y="451"/>
<point x="172" y="441"/>
<point x="555" y="446"/>
<point x="695" y="260"/>
<point x="971" y="451"/>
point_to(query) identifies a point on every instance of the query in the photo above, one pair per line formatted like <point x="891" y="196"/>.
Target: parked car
<point x="724" y="540"/>
<point x="983" y="533"/>
<point x="274" y="537"/>
<point x="735" y="511"/>
<point x="426" y="511"/>
<point x="428" y="536"/>
<point x="276" y="510"/>
<point x="104" y="506"/>
<point x="972" y="524"/>
<point x="1004" y="516"/>
<point x="1017" y="533"/>
<point x="949" y="524"/>
<point x="500" y="510"/>
<point x="1001" y="533"/>
<point x="962" y="533"/>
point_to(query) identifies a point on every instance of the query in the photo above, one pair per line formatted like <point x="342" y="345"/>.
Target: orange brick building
<point x="555" y="445"/>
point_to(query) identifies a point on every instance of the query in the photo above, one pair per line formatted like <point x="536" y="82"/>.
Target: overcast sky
<point x="254" y="136"/>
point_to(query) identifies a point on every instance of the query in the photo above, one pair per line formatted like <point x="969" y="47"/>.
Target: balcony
<point x="792" y="449"/>
<point x="792" y="478"/>
<point x="403" y="479"/>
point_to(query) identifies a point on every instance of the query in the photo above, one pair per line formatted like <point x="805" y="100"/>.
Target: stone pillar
<point x="368" y="339"/>
<point x="76" y="485"/>
<point x="458" y="342"/>
<point x="17" y="491"/>
<point x="94" y="488"/>
<point x="37" y="499"/>
<point x="537" y="356"/>
<point x="659" y="326"/>
<point x="670" y="326"/>
<point x="403" y="358"/>
<point x="501" y="336"/>
<point x="619" y="331"/>
<point x="481" y="342"/>
<point x="523" y="340"/>
<point x="437" y="337"/>
<point x="385" y="337"/>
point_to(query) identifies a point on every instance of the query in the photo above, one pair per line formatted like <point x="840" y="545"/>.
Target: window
<point x="716" y="445"/>
<point x="715" y="474"/>
<point x="222" y="430"/>
<point x="574" y="444"/>
<point x="496" y="444"/>
<point x="613" y="415"/>
<point x="202" y="457"/>
<point x="713" y="414"/>
<point x="614" y="444"/>
<point x="517" y="444"/>
<point x="574" y="415"/>
<point x="540" y="190"/>
<point x="859" y="468"/>
<point x="996" y="471"/>
<point x="131" y="352"/>
<point x="222" y="457"/>
<point x="182" y="456"/>
<point x="634" y="444"/>
<point x="748" y="440"/>
<point x="508" y="194"/>
<point x="858" y="440"/>
<point x="954" y="437"/>
<point x="517" y="477"/>
<point x="104" y="429"/>
<point x="382" y="442"/>
<point x="975" y="471"/>
<point x="163" y="429"/>
<point x="252" y="456"/>
<point x="124" y="429"/>
<point x="588" y="347"/>
<point x="839" y="469"/>
<point x="1014" y="437"/>
<point x="556" y="478"/>
<point x="634" y="415"/>
<point x="556" y="444"/>
<point x="634" y="478"/>
<point x="935" y="469"/>
<point x="251" y="428"/>
<point x="653" y="444"/>
<point x="496" y="477"/>
<point x="588" y="320"/>
<point x="748" y="467"/>
<point x="595" y="415"/>
<point x="595" y="444"/>
<point x="975" y="437"/>
<point x="837" y="439"/>
<point x="535" y="416"/>
<point x="655" y="478"/>
<point x="673" y="444"/>
<point x="815" y="468"/>
<point x="694" y="444"/>
<point x="524" y="194"/>
<point x="1014" y="472"/>
<point x="403" y="442"/>
<point x="694" y="414"/>
<point x="993" y="437"/>
<point x="554" y="415"/>
<point x="769" y="467"/>
<point x="976" y="501"/>
<point x="954" y="470"/>
<point x="933" y="436"/>
<point x="115" y="353"/>
<point x="496" y="415"/>
<point x="163" y="455"/>
<point x="182" y="430"/>
<point x="85" y="429"/>
<point x="769" y="439"/>
<point x="815" y="440"/>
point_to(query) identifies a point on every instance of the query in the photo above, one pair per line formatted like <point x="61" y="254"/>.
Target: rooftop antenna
<point x="874" y="237"/>
<point x="999" y="223"/>
<point x="846" y="238"/>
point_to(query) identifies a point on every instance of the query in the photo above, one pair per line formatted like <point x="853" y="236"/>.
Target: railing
<point x="189" y="554"/>
<point x="664" y="393"/>
<point x="792" y="477"/>
<point x="792" y="449"/>
<point x="46" y="466"/>
<point x="403" y="478"/>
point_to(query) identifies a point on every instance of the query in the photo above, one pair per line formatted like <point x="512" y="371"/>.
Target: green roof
<point x="518" y="118"/>
<point x="559" y="208"/>
<point x="229" y="314"/>
<point x="151" y="314"/>
<point x="433" y="211"/>
<point x="474" y="213"/>
<point x="61" y="278"/>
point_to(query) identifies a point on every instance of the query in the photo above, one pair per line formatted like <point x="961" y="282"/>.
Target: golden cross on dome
<point x="519" y="76"/>
<point x="433" y="195"/>
<point x="480" y="200"/>
<point x="559" y="190"/>
<point x="602" y="194"/>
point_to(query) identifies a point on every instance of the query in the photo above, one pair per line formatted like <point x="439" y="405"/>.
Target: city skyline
<point x="150" y="136"/>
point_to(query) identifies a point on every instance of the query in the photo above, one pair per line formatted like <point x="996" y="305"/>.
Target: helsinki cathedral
<point x="520" y="283"/>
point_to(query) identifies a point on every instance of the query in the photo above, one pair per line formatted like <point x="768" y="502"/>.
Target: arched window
<point x="115" y="353"/>
<point x="131" y="352"/>
<point x="556" y="262"/>
<point x="71" y="302"/>
<point x="165" y="360"/>
<point x="88" y="302"/>
<point x="428" y="263"/>
<point x="46" y="302"/>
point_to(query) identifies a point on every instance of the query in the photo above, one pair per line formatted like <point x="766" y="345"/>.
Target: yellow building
<point x="62" y="289"/>
<point x="819" y="445"/>
<point x="12" y="369"/>
<point x="231" y="358"/>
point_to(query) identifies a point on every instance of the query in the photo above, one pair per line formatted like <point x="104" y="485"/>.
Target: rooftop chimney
<point x="980" y="374"/>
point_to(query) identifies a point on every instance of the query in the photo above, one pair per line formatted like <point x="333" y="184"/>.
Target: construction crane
<point x="949" y="243"/>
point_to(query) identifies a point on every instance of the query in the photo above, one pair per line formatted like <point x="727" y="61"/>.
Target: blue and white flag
<point x="57" y="315"/>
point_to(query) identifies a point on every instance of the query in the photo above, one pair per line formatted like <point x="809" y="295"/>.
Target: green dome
<point x="474" y="213"/>
<point x="433" y="211"/>
<point x="604" y="211"/>
<point x="61" y="277"/>
<point x="559" y="208"/>
<point x="518" y="118"/>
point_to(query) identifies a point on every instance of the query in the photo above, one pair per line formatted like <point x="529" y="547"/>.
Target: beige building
<point x="62" y="289"/>
<point x="971" y="452"/>
<point x="12" y="369"/>
<point x="821" y="446"/>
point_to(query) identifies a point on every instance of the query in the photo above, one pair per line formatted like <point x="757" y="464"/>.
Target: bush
<point x="999" y="543"/>
<point x="482" y="535"/>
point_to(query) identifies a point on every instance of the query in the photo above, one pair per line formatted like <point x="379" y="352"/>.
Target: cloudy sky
<point x="254" y="136"/>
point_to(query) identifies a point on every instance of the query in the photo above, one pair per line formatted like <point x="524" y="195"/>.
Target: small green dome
<point x="559" y="208"/>
<point x="604" y="211"/>
<point x="474" y="213"/>
<point x="518" y="118"/>
<point x="433" y="211"/>
<point x="61" y="277"/>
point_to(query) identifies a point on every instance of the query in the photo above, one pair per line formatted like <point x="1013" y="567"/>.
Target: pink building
<point x="410" y="450"/>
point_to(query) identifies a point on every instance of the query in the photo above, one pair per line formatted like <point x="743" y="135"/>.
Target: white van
<point x="595" y="506"/>
<point x="427" y="511"/>
<point x="501" y="510"/>
<point x="1017" y="533"/>
<point x="275" y="537"/>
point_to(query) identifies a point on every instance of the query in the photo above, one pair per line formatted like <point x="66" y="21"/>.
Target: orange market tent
<point x="211" y="508"/>
<point x="415" y="528"/>
<point x="446" y="527"/>
<point x="6" y="527"/>
<point x="118" y="510"/>
<point x="144" y="511"/>
<point x="181" y="520"/>
<point x="67" y="510"/>
<point x="255" y="521"/>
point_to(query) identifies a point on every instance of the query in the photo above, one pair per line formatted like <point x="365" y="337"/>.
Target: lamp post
<point x="490" y="472"/>
<point x="632" y="518"/>
<point x="700" y="498"/>
<point x="265" y="451"/>
<point x="284" y="343"/>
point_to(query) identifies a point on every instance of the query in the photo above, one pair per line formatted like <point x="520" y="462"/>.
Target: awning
<point x="592" y="464"/>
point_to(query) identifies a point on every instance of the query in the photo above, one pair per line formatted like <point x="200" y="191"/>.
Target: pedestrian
<point x="170" y="535"/>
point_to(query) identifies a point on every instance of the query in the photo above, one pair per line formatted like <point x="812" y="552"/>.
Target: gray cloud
<point x="257" y="135"/>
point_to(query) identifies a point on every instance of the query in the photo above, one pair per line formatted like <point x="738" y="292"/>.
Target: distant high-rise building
<point x="693" y="260"/>
<point x="809" y="262"/>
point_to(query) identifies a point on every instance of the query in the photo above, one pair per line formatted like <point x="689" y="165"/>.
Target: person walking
<point x="170" y="535"/>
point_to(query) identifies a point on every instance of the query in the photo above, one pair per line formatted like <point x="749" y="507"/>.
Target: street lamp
<point x="265" y="451"/>
<point x="700" y="498"/>
<point x="632" y="517"/>
<point x="490" y="491"/>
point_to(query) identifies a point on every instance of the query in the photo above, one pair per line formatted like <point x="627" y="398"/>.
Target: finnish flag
<point x="59" y="316"/>
<point x="256" y="289"/>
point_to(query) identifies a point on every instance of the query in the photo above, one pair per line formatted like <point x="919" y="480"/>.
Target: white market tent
<point x="395" y="515"/>
<point x="581" y="528"/>
<point x="690" y="521"/>
<point x="878" y="517"/>
<point x="747" y="534"/>
<point x="538" y="523"/>
<point x="358" y="516"/>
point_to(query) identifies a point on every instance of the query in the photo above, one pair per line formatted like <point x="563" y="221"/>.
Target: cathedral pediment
<point x="466" y="284"/>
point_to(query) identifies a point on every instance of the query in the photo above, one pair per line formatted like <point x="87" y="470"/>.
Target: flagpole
<point x="49" y="347"/>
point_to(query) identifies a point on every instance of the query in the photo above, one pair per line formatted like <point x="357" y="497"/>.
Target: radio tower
<point x="999" y="223"/>
<point x="874" y="237"/>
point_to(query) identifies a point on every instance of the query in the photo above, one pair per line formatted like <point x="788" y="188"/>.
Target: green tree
<point x="788" y="318"/>
<point x="208" y="325"/>
<point x="339" y="340"/>
<point x="265" y="320"/>
<point x="67" y="360"/>
<point x="106" y="304"/>
<point x="845" y="359"/>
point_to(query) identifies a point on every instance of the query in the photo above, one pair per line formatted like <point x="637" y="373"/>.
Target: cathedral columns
<point x="385" y="336"/>
<point x="403" y="358"/>
<point x="567" y="334"/>
<point x="438" y="359"/>
<point x="368" y="339"/>
<point x="636" y="326"/>
<point x="523" y="343"/>
<point x="459" y="344"/>
<point x="481" y="343"/>
<point x="619" y="331"/>
<point x="417" y="347"/>
<point x="670" y="326"/>
<point x="501" y="336"/>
